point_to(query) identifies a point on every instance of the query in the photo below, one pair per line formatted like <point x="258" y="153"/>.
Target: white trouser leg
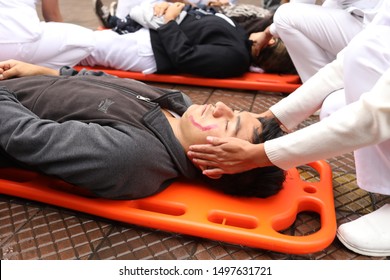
<point x="366" y="59"/>
<point x="132" y="51"/>
<point x="313" y="35"/>
<point x="60" y="44"/>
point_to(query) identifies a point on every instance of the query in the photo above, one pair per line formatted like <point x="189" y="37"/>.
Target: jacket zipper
<point x="125" y="89"/>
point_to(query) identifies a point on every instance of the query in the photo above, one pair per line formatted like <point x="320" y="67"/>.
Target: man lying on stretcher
<point x="118" y="138"/>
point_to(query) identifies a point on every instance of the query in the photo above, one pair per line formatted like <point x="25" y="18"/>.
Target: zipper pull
<point x="143" y="98"/>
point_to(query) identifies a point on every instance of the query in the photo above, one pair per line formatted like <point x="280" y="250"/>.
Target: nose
<point x="221" y="110"/>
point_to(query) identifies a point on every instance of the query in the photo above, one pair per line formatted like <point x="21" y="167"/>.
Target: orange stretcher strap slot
<point x="248" y="81"/>
<point x="196" y="210"/>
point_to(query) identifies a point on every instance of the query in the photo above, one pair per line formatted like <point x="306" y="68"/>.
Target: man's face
<point x="200" y="121"/>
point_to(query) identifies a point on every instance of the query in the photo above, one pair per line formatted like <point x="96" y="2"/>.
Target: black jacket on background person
<point x="209" y="46"/>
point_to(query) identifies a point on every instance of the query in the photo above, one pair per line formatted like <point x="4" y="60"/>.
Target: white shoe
<point x="369" y="235"/>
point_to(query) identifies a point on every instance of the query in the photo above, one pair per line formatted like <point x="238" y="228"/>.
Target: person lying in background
<point x="187" y="40"/>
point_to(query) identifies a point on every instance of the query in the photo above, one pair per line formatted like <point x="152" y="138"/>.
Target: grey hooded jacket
<point x="105" y="134"/>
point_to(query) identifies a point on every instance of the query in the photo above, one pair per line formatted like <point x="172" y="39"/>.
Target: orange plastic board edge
<point x="248" y="81"/>
<point x="196" y="210"/>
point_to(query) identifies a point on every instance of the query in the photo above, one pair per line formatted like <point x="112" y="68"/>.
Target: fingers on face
<point x="201" y="156"/>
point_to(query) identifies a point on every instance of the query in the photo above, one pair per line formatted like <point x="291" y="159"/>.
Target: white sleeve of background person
<point x="308" y="98"/>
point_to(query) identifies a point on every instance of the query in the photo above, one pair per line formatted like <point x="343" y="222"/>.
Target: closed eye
<point x="238" y="121"/>
<point x="238" y="126"/>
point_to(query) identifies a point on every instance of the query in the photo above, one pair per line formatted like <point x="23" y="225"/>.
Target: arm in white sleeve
<point x="362" y="123"/>
<point x="308" y="98"/>
<point x="272" y="30"/>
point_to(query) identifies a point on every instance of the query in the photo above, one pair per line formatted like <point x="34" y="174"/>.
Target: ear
<point x="271" y="42"/>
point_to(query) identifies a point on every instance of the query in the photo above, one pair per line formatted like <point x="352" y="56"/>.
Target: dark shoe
<point x="102" y="13"/>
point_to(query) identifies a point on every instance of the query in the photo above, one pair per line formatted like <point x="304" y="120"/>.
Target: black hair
<point x="259" y="182"/>
<point x="273" y="58"/>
